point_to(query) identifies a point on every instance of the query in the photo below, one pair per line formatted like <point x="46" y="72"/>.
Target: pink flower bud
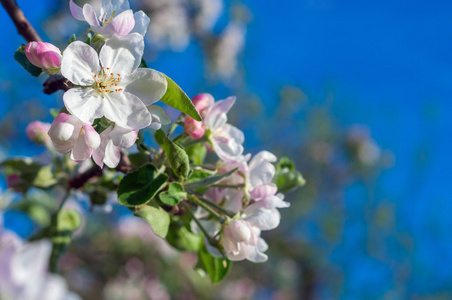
<point x="203" y="102"/>
<point x="37" y="132"/>
<point x="195" y="129"/>
<point x="13" y="180"/>
<point x="43" y="55"/>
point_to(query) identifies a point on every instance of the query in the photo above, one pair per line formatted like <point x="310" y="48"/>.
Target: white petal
<point x="263" y="156"/>
<point x="99" y="153"/>
<point x="118" y="6"/>
<point x="121" y="24"/>
<point x="85" y="104"/>
<point x="30" y="262"/>
<point x="126" y="110"/>
<point x="216" y="116"/>
<point x="80" y="63"/>
<point x="81" y="151"/>
<point x="234" y="133"/>
<point x="76" y="11"/>
<point x="122" y="54"/>
<point x="112" y="155"/>
<point x="91" y="17"/>
<point x="262" y="217"/>
<point x="263" y="191"/>
<point x="92" y="138"/>
<point x="256" y="255"/>
<point x="123" y="138"/>
<point x="147" y="84"/>
<point x="141" y="22"/>
<point x="261" y="174"/>
<point x="227" y="149"/>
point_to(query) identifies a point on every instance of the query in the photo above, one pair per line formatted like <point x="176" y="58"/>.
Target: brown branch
<point x="55" y="83"/>
<point x="24" y="28"/>
<point x="81" y="179"/>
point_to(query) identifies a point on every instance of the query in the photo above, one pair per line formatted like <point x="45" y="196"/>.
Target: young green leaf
<point x="287" y="177"/>
<point x="72" y="39"/>
<point x="207" y="181"/>
<point x="20" y="57"/>
<point x="176" y="98"/>
<point x="178" y="158"/>
<point x="183" y="239"/>
<point x="217" y="268"/>
<point x="173" y="195"/>
<point x="156" y="217"/>
<point x="139" y="187"/>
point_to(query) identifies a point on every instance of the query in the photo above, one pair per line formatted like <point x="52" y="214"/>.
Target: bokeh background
<point x="357" y="93"/>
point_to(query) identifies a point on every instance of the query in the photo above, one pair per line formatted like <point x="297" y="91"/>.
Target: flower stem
<point x="211" y="240"/>
<point x="217" y="207"/>
<point x="65" y="197"/>
<point x="206" y="207"/>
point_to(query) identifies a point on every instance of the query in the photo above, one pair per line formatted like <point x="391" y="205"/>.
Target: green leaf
<point x="176" y="98"/>
<point x="286" y="177"/>
<point x="20" y="57"/>
<point x="72" y="39"/>
<point x="68" y="219"/>
<point x="181" y="238"/>
<point x="178" y="158"/>
<point x="138" y="159"/>
<point x="139" y="187"/>
<point x="143" y="64"/>
<point x="207" y="181"/>
<point x="157" y="217"/>
<point x="55" y="112"/>
<point x="29" y="173"/>
<point x="285" y="162"/>
<point x="196" y="152"/>
<point x="217" y="268"/>
<point x="173" y="195"/>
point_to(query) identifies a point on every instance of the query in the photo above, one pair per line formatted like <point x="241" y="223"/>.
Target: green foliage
<point x="139" y="187"/>
<point x="73" y="38"/>
<point x="205" y="182"/>
<point x="64" y="223"/>
<point x="176" y="98"/>
<point x="182" y="238"/>
<point x="157" y="217"/>
<point x="178" y="158"/>
<point x="22" y="59"/>
<point x="216" y="268"/>
<point x="138" y="159"/>
<point x="173" y="195"/>
<point x="286" y="177"/>
<point x="143" y="64"/>
<point x="196" y="152"/>
<point x="29" y="173"/>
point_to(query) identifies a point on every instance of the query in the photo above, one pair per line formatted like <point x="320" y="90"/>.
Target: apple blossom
<point x="195" y="129"/>
<point x="115" y="88"/>
<point x="113" y="140"/>
<point x="69" y="133"/>
<point x="116" y="18"/>
<point x="44" y="55"/>
<point x="37" y="132"/>
<point x="226" y="139"/>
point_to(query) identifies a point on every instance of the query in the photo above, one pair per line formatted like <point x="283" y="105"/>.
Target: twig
<point x="24" y="28"/>
<point x="55" y="83"/>
<point x="81" y="179"/>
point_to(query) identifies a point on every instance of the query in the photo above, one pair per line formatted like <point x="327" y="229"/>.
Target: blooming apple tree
<point x="199" y="189"/>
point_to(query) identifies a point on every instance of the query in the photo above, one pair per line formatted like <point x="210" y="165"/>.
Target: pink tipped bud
<point x="13" y="180"/>
<point x="43" y="55"/>
<point x="203" y="102"/>
<point x="195" y="129"/>
<point x="37" y="132"/>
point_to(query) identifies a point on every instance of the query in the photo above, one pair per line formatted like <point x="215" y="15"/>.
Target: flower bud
<point x="44" y="55"/>
<point x="13" y="180"/>
<point x="203" y="102"/>
<point x="37" y="132"/>
<point x="195" y="129"/>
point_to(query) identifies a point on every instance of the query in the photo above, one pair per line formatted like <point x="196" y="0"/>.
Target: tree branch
<point x="55" y="83"/>
<point x="24" y="28"/>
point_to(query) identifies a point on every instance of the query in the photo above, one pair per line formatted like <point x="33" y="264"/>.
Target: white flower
<point x="69" y="133"/>
<point x="23" y="271"/>
<point x="115" y="88"/>
<point x="115" y="17"/>
<point x="226" y="139"/>
<point x="113" y="139"/>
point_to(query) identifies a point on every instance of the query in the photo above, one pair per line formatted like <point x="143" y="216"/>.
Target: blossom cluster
<point x="254" y="205"/>
<point x="106" y="83"/>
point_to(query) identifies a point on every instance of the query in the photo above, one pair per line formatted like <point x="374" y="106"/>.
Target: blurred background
<point x="358" y="94"/>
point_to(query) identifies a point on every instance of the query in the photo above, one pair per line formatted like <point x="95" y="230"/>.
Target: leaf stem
<point x="206" y="207"/>
<point x="217" y="207"/>
<point x="65" y="197"/>
<point x="211" y="240"/>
